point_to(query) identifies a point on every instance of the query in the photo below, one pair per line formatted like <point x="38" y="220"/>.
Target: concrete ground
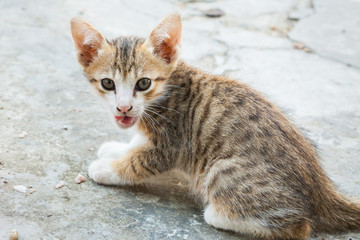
<point x="303" y="54"/>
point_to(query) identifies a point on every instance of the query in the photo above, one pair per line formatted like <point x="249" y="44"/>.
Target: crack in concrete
<point x="311" y="4"/>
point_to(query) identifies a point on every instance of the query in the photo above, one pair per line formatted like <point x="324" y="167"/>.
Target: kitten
<point x="254" y="172"/>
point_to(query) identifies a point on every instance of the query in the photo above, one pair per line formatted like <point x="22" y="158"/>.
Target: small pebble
<point x="5" y="181"/>
<point x="20" y="188"/>
<point x="91" y="149"/>
<point x="60" y="185"/>
<point x="214" y="13"/>
<point x="14" y="235"/>
<point x="79" y="179"/>
<point x="273" y="28"/>
<point x="299" y="45"/>
<point x="32" y="191"/>
<point x="75" y="110"/>
<point x="308" y="50"/>
<point x="23" y="134"/>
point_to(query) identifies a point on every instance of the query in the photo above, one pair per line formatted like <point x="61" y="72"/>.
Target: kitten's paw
<point x="112" y="150"/>
<point x="102" y="172"/>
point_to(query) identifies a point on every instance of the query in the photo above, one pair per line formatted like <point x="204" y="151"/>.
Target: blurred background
<point x="303" y="54"/>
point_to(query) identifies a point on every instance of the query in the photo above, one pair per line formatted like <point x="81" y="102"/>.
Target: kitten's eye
<point x="143" y="84"/>
<point x="108" y="84"/>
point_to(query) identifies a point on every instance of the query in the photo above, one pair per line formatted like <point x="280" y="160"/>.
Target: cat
<point x="252" y="170"/>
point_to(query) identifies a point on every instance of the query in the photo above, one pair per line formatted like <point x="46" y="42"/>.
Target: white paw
<point x="102" y="172"/>
<point x="247" y="225"/>
<point x="112" y="150"/>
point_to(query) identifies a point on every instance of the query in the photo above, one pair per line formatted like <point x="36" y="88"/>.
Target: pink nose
<point x="124" y="109"/>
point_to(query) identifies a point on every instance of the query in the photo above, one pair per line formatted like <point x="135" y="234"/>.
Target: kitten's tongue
<point x="125" y="121"/>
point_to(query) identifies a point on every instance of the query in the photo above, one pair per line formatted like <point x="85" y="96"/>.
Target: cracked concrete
<point x="43" y="93"/>
<point x="333" y="30"/>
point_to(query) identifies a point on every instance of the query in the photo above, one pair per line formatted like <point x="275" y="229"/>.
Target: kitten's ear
<point x="87" y="40"/>
<point x="165" y="39"/>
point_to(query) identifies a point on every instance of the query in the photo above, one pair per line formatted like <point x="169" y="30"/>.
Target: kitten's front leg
<point x="138" y="162"/>
<point x="114" y="150"/>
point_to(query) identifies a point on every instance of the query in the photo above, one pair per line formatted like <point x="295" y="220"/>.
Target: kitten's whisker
<point x="150" y="124"/>
<point x="155" y="121"/>
<point x="165" y="118"/>
<point x="150" y="121"/>
<point x="160" y="127"/>
<point x="161" y="98"/>
<point x="160" y="106"/>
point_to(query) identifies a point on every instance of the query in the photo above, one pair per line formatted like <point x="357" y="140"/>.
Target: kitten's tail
<point x="338" y="213"/>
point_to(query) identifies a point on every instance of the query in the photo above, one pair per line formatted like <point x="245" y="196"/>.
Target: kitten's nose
<point x="124" y="109"/>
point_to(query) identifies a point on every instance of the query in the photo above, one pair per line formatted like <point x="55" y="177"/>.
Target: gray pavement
<point x="51" y="123"/>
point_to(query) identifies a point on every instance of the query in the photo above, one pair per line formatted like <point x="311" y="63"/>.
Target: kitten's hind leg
<point x="246" y="226"/>
<point x="258" y="227"/>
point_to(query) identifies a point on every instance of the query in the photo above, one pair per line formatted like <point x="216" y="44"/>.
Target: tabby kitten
<point x="254" y="172"/>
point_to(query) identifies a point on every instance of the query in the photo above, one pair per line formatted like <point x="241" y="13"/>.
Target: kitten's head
<point x="130" y="73"/>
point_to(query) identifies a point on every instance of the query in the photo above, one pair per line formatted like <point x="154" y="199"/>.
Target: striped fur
<point x="248" y="165"/>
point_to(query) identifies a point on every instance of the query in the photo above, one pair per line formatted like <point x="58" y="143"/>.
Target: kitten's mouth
<point x="125" y="121"/>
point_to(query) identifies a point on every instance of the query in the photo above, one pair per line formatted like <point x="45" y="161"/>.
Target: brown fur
<point x="241" y="153"/>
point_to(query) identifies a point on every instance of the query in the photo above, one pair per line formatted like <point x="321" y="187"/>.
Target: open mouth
<point x="125" y="121"/>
